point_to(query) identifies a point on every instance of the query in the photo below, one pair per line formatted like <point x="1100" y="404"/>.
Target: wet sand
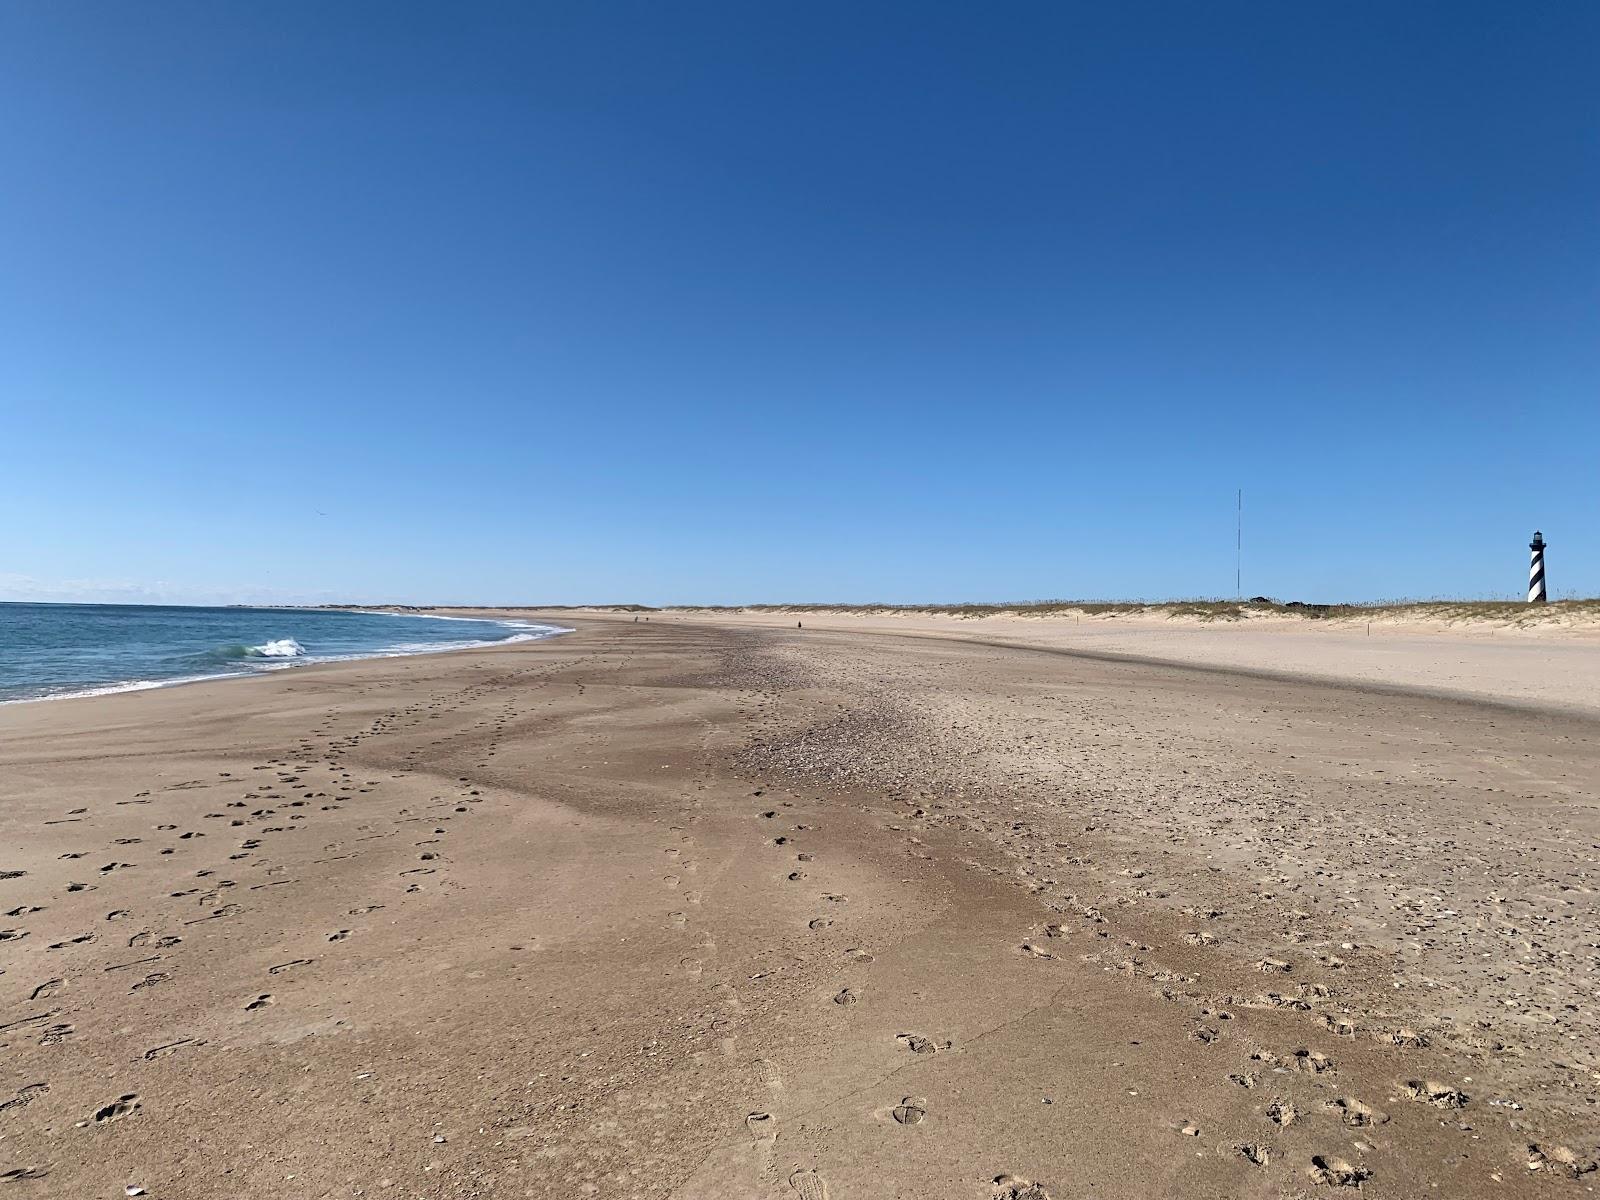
<point x="702" y="908"/>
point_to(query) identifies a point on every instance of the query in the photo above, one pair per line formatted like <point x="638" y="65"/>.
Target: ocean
<point x="54" y="650"/>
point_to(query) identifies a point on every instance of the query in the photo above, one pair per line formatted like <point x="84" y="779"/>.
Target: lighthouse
<point x="1536" y="593"/>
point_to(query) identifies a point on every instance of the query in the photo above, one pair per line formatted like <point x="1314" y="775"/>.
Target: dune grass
<point x="1516" y="613"/>
<point x="1206" y="609"/>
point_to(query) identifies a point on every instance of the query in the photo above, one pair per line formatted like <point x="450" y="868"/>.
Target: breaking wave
<point x="281" y="648"/>
<point x="277" y="648"/>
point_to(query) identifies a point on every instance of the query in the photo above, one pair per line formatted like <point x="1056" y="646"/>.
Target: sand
<point x="716" y="907"/>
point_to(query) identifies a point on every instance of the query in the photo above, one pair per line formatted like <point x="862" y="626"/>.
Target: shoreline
<point x="1577" y="618"/>
<point x="299" y="662"/>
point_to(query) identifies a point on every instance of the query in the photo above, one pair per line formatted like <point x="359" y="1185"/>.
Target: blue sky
<point x="730" y="301"/>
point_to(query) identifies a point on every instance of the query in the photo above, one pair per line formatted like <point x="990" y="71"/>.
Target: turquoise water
<point x="51" y="650"/>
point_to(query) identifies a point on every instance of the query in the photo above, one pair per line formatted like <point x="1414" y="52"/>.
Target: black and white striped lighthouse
<point x="1536" y="593"/>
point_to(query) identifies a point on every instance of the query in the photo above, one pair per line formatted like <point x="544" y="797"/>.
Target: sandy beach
<point x="708" y="905"/>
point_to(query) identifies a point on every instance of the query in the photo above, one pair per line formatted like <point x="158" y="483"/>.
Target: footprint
<point x="808" y="1185"/>
<point x="145" y="938"/>
<point x="918" y="1044"/>
<point x="122" y="1106"/>
<point x="762" y="1126"/>
<point x="1282" y="1113"/>
<point x="767" y="1072"/>
<point x="1311" y="1062"/>
<point x="1336" y="1172"/>
<point x="1558" y="1159"/>
<point x="1254" y="1152"/>
<point x="25" y="1096"/>
<point x="912" y="1110"/>
<point x="1408" y="1039"/>
<point x="818" y="923"/>
<point x="1013" y="1187"/>
<point x="1426" y="1091"/>
<point x="1356" y="1114"/>
<point x="339" y="935"/>
<point x="846" y="997"/>
<point x="260" y="1001"/>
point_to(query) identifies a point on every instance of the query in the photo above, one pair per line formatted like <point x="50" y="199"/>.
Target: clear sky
<point x="601" y="301"/>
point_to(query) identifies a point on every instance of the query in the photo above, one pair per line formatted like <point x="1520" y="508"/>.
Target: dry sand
<point x="713" y="908"/>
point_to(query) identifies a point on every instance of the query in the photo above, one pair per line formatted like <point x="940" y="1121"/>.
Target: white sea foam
<point x="527" y="633"/>
<point x="509" y="622"/>
<point x="278" y="648"/>
<point x="130" y="685"/>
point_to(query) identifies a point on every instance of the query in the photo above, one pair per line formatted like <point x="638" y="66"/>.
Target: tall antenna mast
<point x="1238" y="546"/>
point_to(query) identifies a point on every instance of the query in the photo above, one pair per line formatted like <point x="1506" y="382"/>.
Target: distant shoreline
<point x="1577" y="615"/>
